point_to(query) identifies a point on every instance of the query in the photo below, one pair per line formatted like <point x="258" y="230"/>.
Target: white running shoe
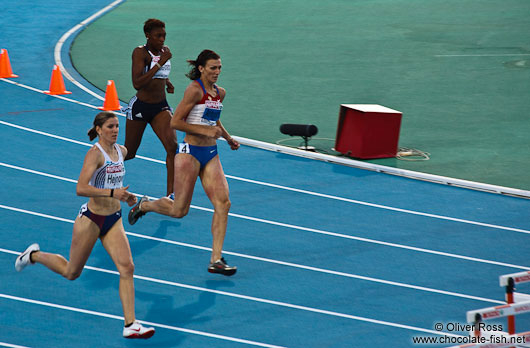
<point x="136" y="330"/>
<point x="24" y="259"/>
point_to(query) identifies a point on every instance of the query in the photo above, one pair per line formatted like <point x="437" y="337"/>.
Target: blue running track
<point x="328" y="255"/>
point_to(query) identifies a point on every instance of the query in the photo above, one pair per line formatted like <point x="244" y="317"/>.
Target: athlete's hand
<point x="169" y="87"/>
<point x="131" y="200"/>
<point x="234" y="144"/>
<point x="215" y="132"/>
<point x="123" y="195"/>
<point x="165" y="55"/>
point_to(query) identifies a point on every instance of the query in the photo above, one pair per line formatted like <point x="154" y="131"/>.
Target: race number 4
<point x="184" y="148"/>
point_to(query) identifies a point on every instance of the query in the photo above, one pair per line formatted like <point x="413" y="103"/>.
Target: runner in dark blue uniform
<point x="151" y="66"/>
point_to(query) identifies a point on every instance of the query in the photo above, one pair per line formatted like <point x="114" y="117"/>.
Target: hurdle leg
<point x="509" y="299"/>
<point x="476" y="324"/>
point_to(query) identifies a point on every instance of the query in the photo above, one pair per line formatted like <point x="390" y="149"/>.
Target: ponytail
<point x="99" y="120"/>
<point x="201" y="60"/>
<point x="92" y="134"/>
<point x="194" y="73"/>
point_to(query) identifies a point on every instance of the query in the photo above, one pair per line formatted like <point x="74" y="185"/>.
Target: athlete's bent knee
<point x="178" y="212"/>
<point x="72" y="275"/>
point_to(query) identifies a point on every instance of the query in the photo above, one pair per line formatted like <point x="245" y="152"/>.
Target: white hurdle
<point x="505" y="340"/>
<point x="478" y="315"/>
<point x="516" y="303"/>
<point x="509" y="281"/>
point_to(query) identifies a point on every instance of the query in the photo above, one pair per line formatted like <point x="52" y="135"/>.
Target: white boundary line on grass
<point x="59" y="46"/>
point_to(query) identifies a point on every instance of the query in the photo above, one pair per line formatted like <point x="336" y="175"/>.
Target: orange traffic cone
<point x="5" y="66"/>
<point x="111" y="98"/>
<point x="57" y="83"/>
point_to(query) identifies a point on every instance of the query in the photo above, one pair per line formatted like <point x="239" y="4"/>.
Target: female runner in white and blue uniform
<point x="151" y="66"/>
<point x="198" y="116"/>
<point x="101" y="179"/>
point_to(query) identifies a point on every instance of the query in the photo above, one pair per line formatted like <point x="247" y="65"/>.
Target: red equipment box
<point x="368" y="131"/>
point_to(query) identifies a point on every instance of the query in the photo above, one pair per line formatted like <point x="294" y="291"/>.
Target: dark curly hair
<point x="153" y="23"/>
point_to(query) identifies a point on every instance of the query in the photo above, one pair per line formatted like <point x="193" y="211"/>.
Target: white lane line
<point x="58" y="97"/>
<point x="117" y="317"/>
<point x="281" y="187"/>
<point x="262" y="300"/>
<point x="484" y="55"/>
<point x="307" y="229"/>
<point x="68" y="139"/>
<point x="38" y="173"/>
<point x="278" y="262"/>
<point x="62" y="40"/>
<point x="350" y="162"/>
<point x="51" y="95"/>
<point x="380" y="206"/>
<point x="3" y="344"/>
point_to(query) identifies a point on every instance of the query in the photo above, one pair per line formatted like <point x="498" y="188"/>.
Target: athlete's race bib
<point x="184" y="148"/>
<point x="212" y="110"/>
<point x="115" y="174"/>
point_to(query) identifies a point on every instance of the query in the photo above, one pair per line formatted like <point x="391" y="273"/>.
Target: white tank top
<point x="163" y="71"/>
<point x="111" y="174"/>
